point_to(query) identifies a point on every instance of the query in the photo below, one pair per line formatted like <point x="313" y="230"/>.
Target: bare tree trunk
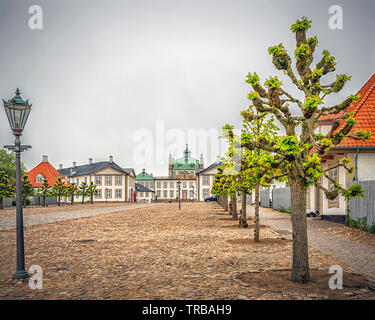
<point x="71" y="200"/>
<point x="92" y="199"/>
<point x="300" y="268"/>
<point x="1" y="203"/>
<point x="226" y="202"/>
<point x="44" y="202"/>
<point x="58" y="200"/>
<point x="234" y="207"/>
<point x="242" y="221"/>
<point x="83" y="199"/>
<point x="256" y="214"/>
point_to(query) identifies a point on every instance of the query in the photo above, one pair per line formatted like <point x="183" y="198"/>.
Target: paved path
<point x="10" y="223"/>
<point x="356" y="255"/>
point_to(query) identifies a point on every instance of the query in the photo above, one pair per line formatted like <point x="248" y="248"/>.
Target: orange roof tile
<point x="364" y="114"/>
<point x="47" y="171"/>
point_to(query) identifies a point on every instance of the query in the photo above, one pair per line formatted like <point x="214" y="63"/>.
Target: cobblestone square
<point x="154" y="252"/>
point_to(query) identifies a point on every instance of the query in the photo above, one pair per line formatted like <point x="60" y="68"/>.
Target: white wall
<point x="103" y="186"/>
<point x="366" y="166"/>
<point x="168" y="188"/>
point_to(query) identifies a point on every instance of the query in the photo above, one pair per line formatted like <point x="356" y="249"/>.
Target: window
<point x="118" y="180"/>
<point x="206" y="193"/>
<point x="333" y="174"/>
<point x="39" y="178"/>
<point x="191" y="184"/>
<point x="171" y="194"/>
<point x="118" y="193"/>
<point x="171" y="184"/>
<point x="184" y="184"/>
<point x="165" y="184"/>
<point x="85" y="179"/>
<point x="191" y="195"/>
<point x="77" y="181"/>
<point x="141" y="194"/>
<point x="158" y="193"/>
<point x="108" y="193"/>
<point x="98" y="194"/>
<point x="146" y="185"/>
<point x="98" y="180"/>
<point x="108" y="180"/>
<point x="158" y="184"/>
<point x="206" y="180"/>
<point x="146" y="194"/>
<point x="165" y="194"/>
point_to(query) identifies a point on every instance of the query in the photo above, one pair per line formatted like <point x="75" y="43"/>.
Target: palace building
<point x="182" y="169"/>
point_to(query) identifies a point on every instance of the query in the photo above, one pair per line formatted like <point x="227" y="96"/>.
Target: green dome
<point x="187" y="162"/>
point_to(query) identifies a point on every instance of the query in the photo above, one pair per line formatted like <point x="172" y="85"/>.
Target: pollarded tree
<point x="71" y="192"/>
<point x="27" y="190"/>
<point x="44" y="192"/>
<point x="229" y="181"/>
<point x="298" y="153"/>
<point x="7" y="190"/>
<point x="232" y="173"/>
<point x="91" y="191"/>
<point x="83" y="191"/>
<point x="255" y="168"/>
<point x="59" y="190"/>
<point x="219" y="189"/>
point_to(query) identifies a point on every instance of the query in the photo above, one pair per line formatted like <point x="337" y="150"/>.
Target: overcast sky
<point x="101" y="71"/>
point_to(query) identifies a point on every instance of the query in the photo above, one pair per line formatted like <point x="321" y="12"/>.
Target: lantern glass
<point x="17" y="112"/>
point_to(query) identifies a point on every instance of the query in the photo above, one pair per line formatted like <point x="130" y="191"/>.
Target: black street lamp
<point x="179" y="194"/>
<point x="18" y="111"/>
<point x="193" y="193"/>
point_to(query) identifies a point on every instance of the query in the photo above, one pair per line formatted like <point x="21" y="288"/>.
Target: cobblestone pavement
<point x="360" y="257"/>
<point x="156" y="252"/>
<point x="10" y="223"/>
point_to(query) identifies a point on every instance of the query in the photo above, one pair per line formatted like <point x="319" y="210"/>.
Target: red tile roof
<point x="364" y="114"/>
<point x="47" y="171"/>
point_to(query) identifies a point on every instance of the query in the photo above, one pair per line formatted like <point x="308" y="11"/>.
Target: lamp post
<point x="17" y="111"/>
<point x="179" y="194"/>
<point x="106" y="195"/>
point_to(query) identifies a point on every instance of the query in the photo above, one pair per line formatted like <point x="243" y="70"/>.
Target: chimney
<point x="45" y="158"/>
<point x="90" y="161"/>
<point x="60" y="166"/>
<point x="74" y="164"/>
<point x="143" y="171"/>
<point x="110" y="159"/>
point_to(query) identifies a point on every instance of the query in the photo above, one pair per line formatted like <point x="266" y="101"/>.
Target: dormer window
<point x="39" y="178"/>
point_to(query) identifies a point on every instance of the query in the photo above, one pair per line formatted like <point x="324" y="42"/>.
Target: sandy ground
<point x="158" y="253"/>
<point x="10" y="212"/>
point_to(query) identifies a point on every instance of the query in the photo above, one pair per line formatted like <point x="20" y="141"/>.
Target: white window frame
<point x="118" y="180"/>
